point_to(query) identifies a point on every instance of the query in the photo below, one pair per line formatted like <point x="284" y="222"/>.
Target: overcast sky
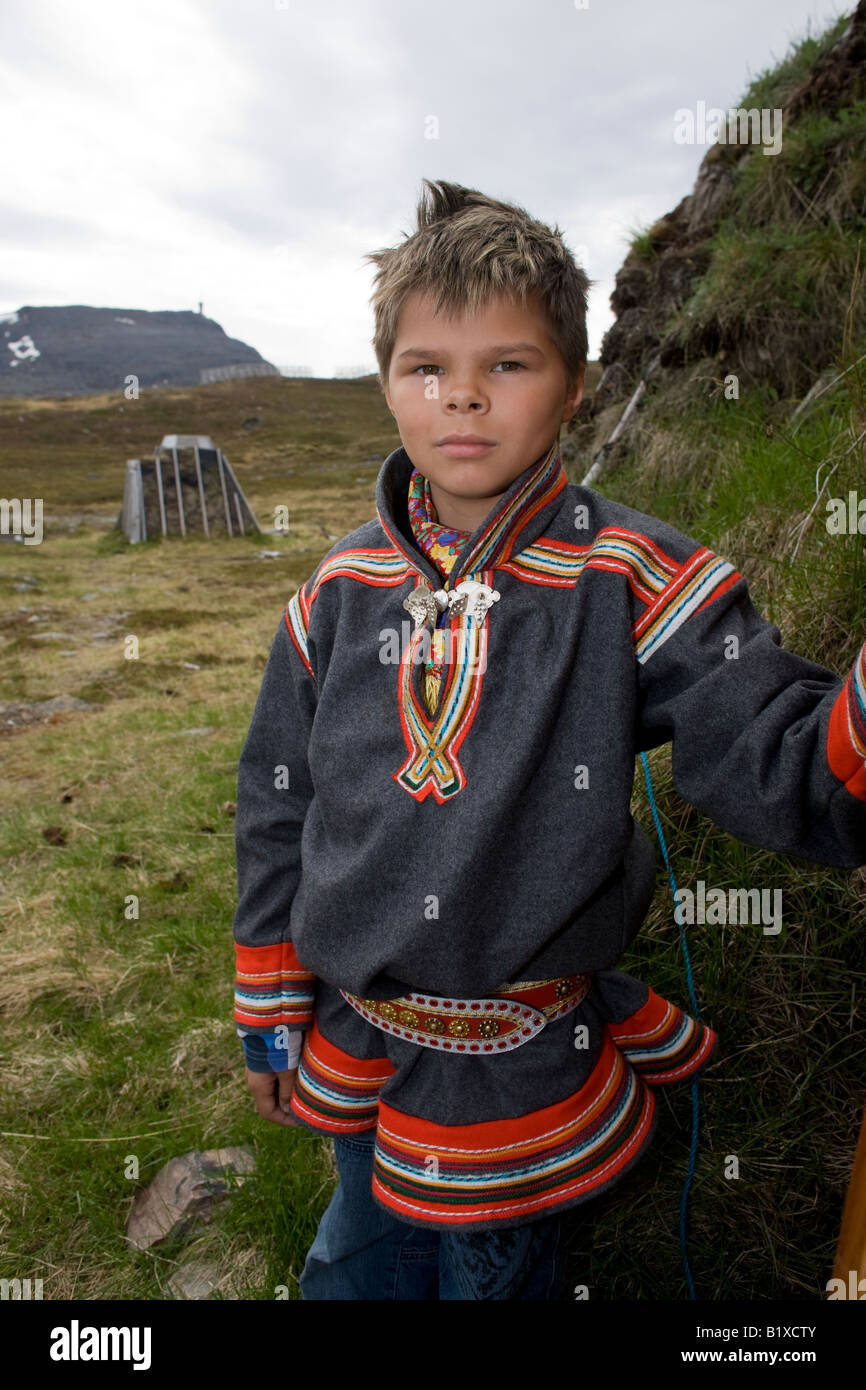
<point x="247" y="153"/>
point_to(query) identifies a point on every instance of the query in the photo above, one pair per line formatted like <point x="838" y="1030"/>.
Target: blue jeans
<point x="362" y="1252"/>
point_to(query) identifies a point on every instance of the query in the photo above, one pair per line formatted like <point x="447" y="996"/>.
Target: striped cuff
<point x="272" y="987"/>
<point x="662" y="1043"/>
<point x="846" y="737"/>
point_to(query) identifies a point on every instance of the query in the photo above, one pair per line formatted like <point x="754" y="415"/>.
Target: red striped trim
<point x="662" y="1042"/>
<point x="279" y="956"/>
<point x="304" y="605"/>
<point x="331" y="570"/>
<point x="335" y="1092"/>
<point x="522" y="520"/>
<point x="845" y="761"/>
<point x="523" y="1165"/>
<point x="671" y="591"/>
<point x="720" y="589"/>
<point x="273" y="969"/>
<point x="521" y="1144"/>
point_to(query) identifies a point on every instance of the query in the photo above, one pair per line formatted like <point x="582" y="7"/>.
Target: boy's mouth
<point x="462" y="446"/>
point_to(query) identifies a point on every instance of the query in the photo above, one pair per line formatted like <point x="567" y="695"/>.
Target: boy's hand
<point x="271" y="1093"/>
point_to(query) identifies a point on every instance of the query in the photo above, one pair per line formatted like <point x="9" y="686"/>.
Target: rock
<point x="185" y="1188"/>
<point x="632" y="288"/>
<point x="713" y="187"/>
<point x="677" y="270"/>
<point x="196" y="1280"/>
<point x="628" y="338"/>
<point x="615" y="384"/>
<point x="837" y="76"/>
<point x="22" y="714"/>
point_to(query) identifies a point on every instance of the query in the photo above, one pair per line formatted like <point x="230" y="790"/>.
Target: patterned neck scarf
<point x="441" y="544"/>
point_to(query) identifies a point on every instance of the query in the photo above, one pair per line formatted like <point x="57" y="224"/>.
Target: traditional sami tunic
<point x="450" y="819"/>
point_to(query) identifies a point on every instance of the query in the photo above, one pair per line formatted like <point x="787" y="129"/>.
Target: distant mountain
<point x="76" y="350"/>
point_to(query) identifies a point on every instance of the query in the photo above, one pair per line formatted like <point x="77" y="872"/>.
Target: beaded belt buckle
<point x="516" y="1014"/>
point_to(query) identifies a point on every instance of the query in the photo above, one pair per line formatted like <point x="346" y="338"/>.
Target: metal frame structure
<point x="133" y="516"/>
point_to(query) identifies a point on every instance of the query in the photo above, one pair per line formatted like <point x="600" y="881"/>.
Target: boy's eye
<point x="430" y="370"/>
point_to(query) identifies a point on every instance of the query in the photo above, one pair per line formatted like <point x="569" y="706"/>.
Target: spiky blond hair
<point x="468" y="247"/>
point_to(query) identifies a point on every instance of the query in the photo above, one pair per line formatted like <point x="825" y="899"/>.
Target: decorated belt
<point x="510" y="1018"/>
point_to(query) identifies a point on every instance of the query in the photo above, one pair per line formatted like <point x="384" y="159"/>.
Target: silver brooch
<point x="423" y="604"/>
<point x="473" y="598"/>
<point x="470" y="597"/>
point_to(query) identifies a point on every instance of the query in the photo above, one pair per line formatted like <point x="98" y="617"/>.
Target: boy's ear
<point x="575" y="395"/>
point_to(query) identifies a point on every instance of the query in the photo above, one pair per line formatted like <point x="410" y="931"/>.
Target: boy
<point x="437" y="865"/>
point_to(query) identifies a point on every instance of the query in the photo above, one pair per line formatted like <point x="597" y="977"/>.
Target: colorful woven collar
<point x="517" y="519"/>
<point x="442" y="544"/>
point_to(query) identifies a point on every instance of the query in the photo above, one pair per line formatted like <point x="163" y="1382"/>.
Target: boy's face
<point x="498" y="374"/>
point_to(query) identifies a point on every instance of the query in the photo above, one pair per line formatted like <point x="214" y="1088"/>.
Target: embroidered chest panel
<point x="668" y="593"/>
<point x="433" y="738"/>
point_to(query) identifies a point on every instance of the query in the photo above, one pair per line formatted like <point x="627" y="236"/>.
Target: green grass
<point x="640" y="242"/>
<point x="773" y="86"/>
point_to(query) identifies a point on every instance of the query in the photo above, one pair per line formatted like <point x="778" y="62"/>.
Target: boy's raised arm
<point x="771" y="746"/>
<point x="274" y="994"/>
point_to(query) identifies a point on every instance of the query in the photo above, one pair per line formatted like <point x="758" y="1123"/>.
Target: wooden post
<point x="157" y="467"/>
<point x="180" y="513"/>
<point x="228" y="509"/>
<point x="201" y="492"/>
<point x="851" y="1250"/>
<point x="600" y="459"/>
<point x="142" y="512"/>
<point x="240" y="497"/>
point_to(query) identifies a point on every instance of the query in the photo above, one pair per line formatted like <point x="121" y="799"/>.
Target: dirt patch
<point x="14" y="717"/>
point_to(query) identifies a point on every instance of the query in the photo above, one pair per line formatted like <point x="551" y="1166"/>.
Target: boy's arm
<point x="768" y="744"/>
<point x="274" y="994"/>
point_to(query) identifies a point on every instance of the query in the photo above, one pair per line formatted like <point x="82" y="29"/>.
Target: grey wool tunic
<point x="419" y="861"/>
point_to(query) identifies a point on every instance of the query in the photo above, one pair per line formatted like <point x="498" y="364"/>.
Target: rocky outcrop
<point x="662" y="271"/>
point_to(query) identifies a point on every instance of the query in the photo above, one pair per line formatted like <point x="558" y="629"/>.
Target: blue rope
<point x="693" y="1150"/>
